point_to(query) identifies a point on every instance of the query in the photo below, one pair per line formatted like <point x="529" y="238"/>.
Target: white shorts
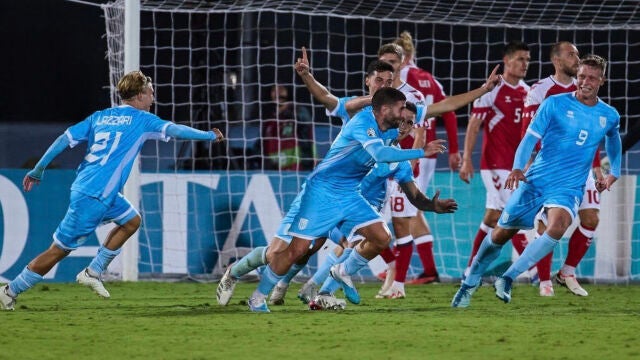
<point x="494" y="181"/>
<point x="427" y="169"/>
<point x="397" y="203"/>
<point x="591" y="196"/>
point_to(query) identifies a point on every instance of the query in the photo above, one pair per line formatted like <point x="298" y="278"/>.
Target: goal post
<point x="214" y="64"/>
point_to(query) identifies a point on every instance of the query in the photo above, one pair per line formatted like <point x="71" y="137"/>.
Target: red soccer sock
<point x="403" y="260"/>
<point x="544" y="267"/>
<point x="480" y="235"/>
<point x="387" y="255"/>
<point x="579" y="244"/>
<point x="519" y="242"/>
<point x="425" y="251"/>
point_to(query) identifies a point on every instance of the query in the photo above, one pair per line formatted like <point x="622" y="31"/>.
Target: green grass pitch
<point x="161" y="320"/>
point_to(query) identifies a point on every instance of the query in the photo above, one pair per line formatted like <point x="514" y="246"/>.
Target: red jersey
<point x="433" y="92"/>
<point x="501" y="112"/>
<point x="540" y="91"/>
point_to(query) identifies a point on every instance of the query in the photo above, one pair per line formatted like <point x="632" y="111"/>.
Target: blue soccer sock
<point x="253" y="260"/>
<point x="101" y="261"/>
<point x="330" y="286"/>
<point x="535" y="251"/>
<point x="295" y="269"/>
<point x="487" y="253"/>
<point x="354" y="262"/>
<point x="268" y="280"/>
<point x="24" y="281"/>
<point x="323" y="271"/>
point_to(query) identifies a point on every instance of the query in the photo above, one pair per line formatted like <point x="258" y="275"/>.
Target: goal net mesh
<point x="215" y="64"/>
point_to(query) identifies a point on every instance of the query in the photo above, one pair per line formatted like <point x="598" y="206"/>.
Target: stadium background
<point x="41" y="98"/>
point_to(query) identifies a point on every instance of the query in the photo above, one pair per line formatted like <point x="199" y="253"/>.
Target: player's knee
<point x="133" y="225"/>
<point x="590" y="220"/>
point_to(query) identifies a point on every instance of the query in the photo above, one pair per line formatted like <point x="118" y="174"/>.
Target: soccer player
<point x="114" y="138"/>
<point x="565" y="58"/>
<point x="409" y="224"/>
<point x="379" y="75"/>
<point x="433" y="92"/>
<point x="374" y="189"/>
<point x="331" y="191"/>
<point x="501" y="112"/>
<point x="570" y="127"/>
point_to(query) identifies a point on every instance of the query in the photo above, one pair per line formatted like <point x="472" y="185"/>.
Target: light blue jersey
<point x="331" y="195"/>
<point x="570" y="134"/>
<point x="348" y="161"/>
<point x="374" y="185"/>
<point x="341" y="110"/>
<point x="114" y="138"/>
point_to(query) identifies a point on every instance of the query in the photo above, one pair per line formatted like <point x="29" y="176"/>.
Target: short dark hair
<point x="514" y="46"/>
<point x="378" y="66"/>
<point x="595" y="61"/>
<point x="386" y="96"/>
<point x="412" y="107"/>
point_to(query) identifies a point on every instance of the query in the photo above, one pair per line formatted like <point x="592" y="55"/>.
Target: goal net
<point x="216" y="64"/>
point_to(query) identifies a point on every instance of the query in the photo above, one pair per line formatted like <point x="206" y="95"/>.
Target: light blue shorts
<point x="526" y="201"/>
<point x="283" y="230"/>
<point x="85" y="214"/>
<point x="321" y="209"/>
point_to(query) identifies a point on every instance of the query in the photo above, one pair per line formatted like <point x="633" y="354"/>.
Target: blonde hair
<point x="132" y="84"/>
<point x="406" y="43"/>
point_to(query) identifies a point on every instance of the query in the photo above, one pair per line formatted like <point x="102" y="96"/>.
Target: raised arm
<point x="455" y="102"/>
<point x="357" y="103"/>
<point x="317" y="90"/>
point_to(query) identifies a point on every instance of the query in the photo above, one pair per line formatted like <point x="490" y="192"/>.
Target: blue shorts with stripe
<point x="527" y="200"/>
<point x="322" y="208"/>
<point x="85" y="214"/>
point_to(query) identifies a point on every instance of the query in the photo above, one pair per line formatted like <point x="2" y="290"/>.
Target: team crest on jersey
<point x="371" y="132"/>
<point x="302" y="224"/>
<point x="570" y="114"/>
<point x="507" y="99"/>
<point x="424" y="83"/>
<point x="603" y="121"/>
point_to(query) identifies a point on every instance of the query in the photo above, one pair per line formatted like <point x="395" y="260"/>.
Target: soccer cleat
<point x="258" y="305"/>
<point x="462" y="298"/>
<point x="84" y="278"/>
<point x="571" y="283"/>
<point x="396" y="294"/>
<point x="308" y="292"/>
<point x="425" y="279"/>
<point x="7" y="301"/>
<point x="383" y="292"/>
<point x="327" y="302"/>
<point x="546" y="290"/>
<point x="350" y="291"/>
<point x="503" y="288"/>
<point x="227" y="284"/>
<point x="277" y="295"/>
